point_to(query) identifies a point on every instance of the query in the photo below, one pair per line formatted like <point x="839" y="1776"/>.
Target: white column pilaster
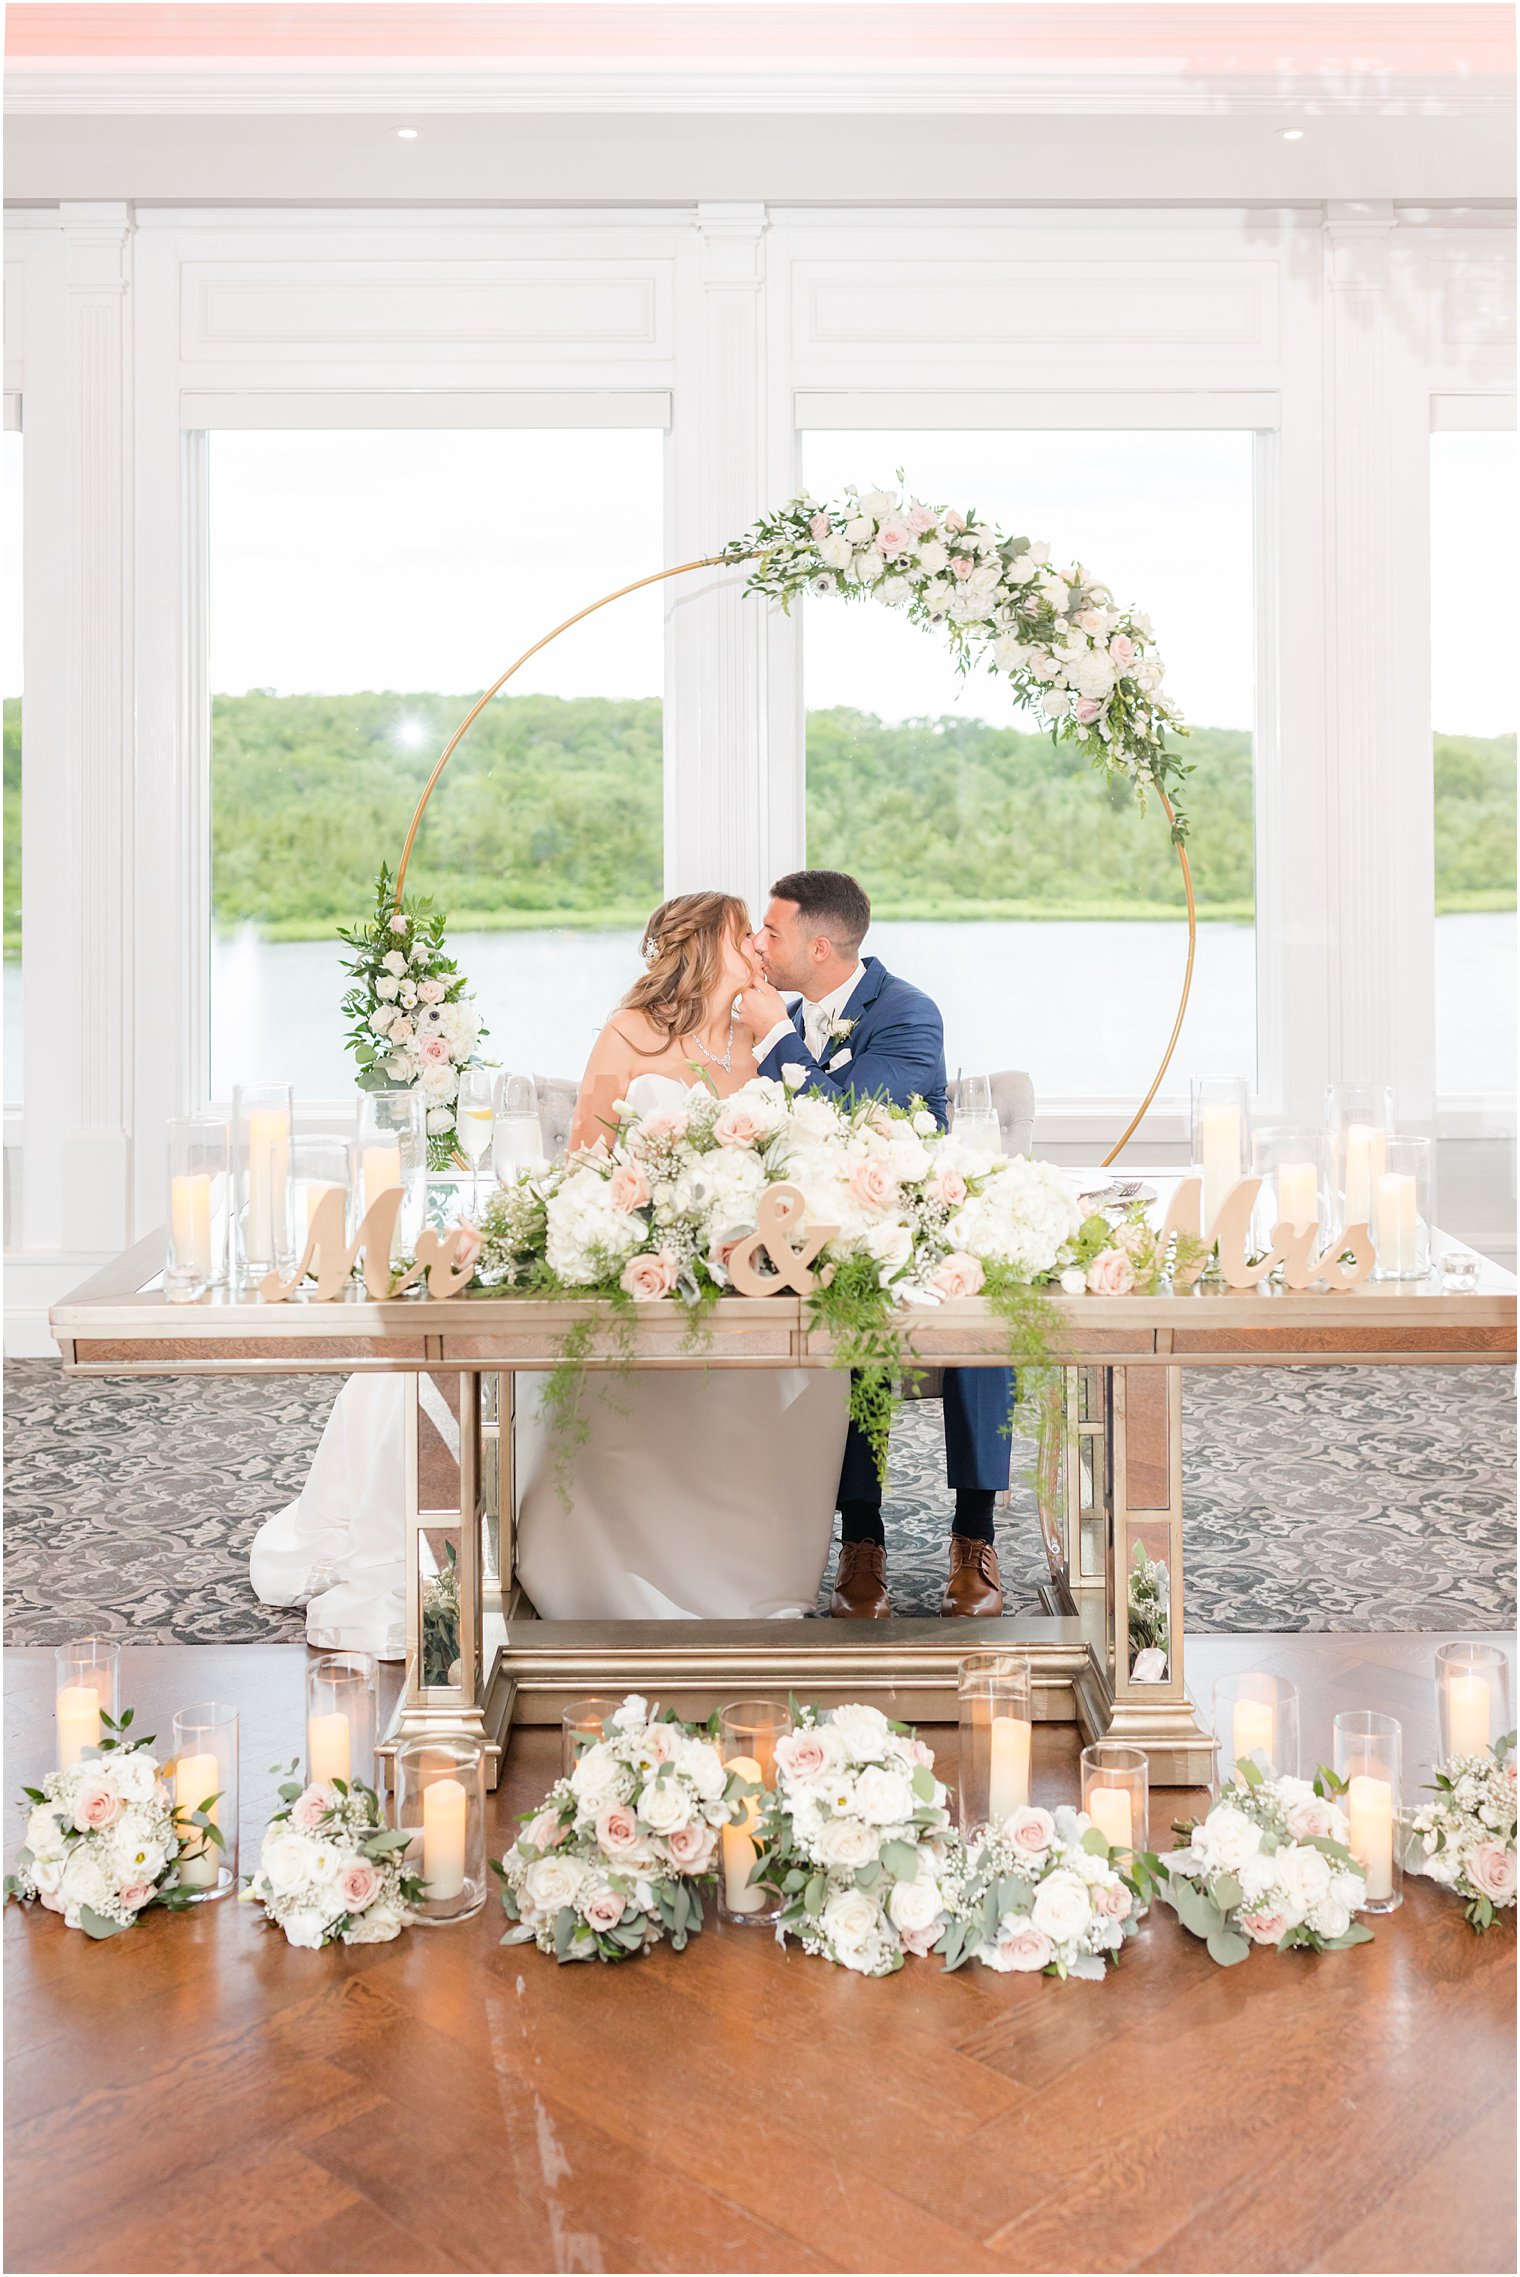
<point x="716" y="808"/>
<point x="77" y="847"/>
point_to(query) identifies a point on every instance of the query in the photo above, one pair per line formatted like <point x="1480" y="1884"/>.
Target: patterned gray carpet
<point x="1316" y="1499"/>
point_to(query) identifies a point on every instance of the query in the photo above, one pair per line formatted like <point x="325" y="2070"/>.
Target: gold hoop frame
<point x="732" y="561"/>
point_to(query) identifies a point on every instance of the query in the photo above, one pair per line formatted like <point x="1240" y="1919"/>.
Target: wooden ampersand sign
<point x="1293" y="1248"/>
<point x="779" y="1215"/>
<point x="448" y="1259"/>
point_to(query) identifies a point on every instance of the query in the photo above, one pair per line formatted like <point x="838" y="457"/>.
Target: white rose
<point x="1053" y="703"/>
<point x="861" y="1731"/>
<point x="285" y="1860"/>
<point x="894" y="591"/>
<point x="1093" y="674"/>
<point x="933" y="556"/>
<point x="83" y="1884"/>
<point x="394" y="961"/>
<point x="861" y="531"/>
<point x="44" y="1832"/>
<point x="1331" y="1917"/>
<point x="1073" y="1281"/>
<point x="598" y="1777"/>
<point x="551" y="1883"/>
<point x="698" y="1761"/>
<point x="1062" y="1908"/>
<point x="375" y="1926"/>
<point x="305" y="1927"/>
<point x="665" y="1806"/>
<point x="380" y="1022"/>
<point x="915" y="1905"/>
<point x="1226" y="1839"/>
<point x="852" y="1922"/>
<point x="884" y="1796"/>
<point x="386" y="989"/>
<point x="878" y="503"/>
<point x="834" y="551"/>
<point x="847" y="1842"/>
<point x="867" y="567"/>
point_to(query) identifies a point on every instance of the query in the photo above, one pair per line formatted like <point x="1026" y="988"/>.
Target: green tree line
<point x="551" y="811"/>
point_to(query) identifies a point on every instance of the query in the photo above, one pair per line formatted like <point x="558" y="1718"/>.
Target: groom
<point x="859" y="1031"/>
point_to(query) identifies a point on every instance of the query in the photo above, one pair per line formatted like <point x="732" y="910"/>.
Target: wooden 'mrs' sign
<point x="1295" y="1249"/>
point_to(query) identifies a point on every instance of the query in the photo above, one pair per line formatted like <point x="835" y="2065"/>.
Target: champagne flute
<point x="472" y="1121"/>
<point x="976" y="1118"/>
<point x="518" y="1138"/>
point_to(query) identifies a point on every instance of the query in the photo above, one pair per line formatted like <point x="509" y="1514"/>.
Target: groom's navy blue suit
<point x="896" y="1050"/>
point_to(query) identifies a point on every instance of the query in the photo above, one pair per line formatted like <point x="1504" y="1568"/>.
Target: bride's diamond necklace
<point x="728" y="1049"/>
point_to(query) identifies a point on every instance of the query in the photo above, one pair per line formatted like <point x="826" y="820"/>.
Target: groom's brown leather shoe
<point x="860" y="1585"/>
<point x="974" y="1585"/>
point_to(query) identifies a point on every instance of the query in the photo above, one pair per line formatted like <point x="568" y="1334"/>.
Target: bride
<point x="695" y="1493"/>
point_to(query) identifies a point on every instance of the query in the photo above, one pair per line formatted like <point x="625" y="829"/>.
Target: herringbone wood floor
<point x="196" y="2096"/>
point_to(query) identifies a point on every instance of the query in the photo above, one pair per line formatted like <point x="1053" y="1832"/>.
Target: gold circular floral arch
<point x="730" y="561"/>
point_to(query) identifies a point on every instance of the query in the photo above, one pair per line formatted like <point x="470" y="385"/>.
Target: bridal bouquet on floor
<point x="102" y="1842"/>
<point x="1465" y="1839"/>
<point x="1040" y="1893"/>
<point x="1270" y="1865"/>
<point x="855" y="1840"/>
<point x="618" y="1854"/>
<point x="330" y="1870"/>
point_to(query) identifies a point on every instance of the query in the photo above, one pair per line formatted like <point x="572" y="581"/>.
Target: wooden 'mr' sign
<point x="447" y="1259"/>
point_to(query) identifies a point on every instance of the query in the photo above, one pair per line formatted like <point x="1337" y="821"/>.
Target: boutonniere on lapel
<point x="837" y="1032"/>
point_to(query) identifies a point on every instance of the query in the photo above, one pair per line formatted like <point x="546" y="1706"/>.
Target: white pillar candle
<point x="327" y="1747"/>
<point x="1366" y="1158"/>
<point x="1298" y="1194"/>
<point x="1393" y="1220"/>
<point x="1467" y="1712"/>
<point x="1219" y="1139"/>
<point x="1369" y="1807"/>
<point x="78" y="1710"/>
<point x="445" y="1807"/>
<point x="190" y="1223"/>
<point x="740" y="1849"/>
<point x="382" y="1170"/>
<point x="1112" y="1814"/>
<point x="268" y="1168"/>
<point x="1008" y="1783"/>
<point x="196" y="1779"/>
<point x="1254" y="1732"/>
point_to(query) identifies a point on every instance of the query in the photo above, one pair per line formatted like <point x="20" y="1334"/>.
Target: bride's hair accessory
<point x="682" y="950"/>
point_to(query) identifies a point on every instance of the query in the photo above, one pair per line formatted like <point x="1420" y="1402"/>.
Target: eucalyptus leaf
<point x="96" y="1925"/>
<point x="1227" y="1946"/>
<point x="900" y="1860"/>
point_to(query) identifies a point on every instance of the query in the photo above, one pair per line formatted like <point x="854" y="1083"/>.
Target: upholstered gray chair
<point x="556" y="1107"/>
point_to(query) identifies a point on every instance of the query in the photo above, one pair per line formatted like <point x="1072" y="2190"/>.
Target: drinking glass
<point x="976" y="1118"/>
<point x="472" y="1123"/>
<point x="516" y="1139"/>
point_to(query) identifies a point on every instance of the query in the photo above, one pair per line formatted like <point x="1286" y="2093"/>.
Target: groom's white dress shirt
<point x="816" y="1018"/>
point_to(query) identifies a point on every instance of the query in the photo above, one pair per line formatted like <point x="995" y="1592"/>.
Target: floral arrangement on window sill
<point x="412" y="1023"/>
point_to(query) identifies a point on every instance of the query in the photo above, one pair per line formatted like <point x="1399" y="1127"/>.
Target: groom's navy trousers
<point x="895" y="1049"/>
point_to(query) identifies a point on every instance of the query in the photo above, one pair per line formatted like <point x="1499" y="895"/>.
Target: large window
<point x="1473" y="502"/>
<point x="1039" y="906"/>
<point x="10" y="676"/>
<point x="365" y="587"/>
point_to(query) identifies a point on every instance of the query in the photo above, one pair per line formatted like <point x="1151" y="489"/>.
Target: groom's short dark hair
<point x="831" y="901"/>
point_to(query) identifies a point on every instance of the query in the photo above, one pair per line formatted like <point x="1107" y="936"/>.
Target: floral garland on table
<point x="618" y="1854"/>
<point x="1269" y="1865"/>
<point x="855" y="1839"/>
<point x="1089" y="668"/>
<point x="330" y="1870"/>
<point x="1041" y="1893"/>
<point x="103" y="1839"/>
<point x="1465" y="1839"/>
<point x="413" y="1027"/>
<point x="921" y="1219"/>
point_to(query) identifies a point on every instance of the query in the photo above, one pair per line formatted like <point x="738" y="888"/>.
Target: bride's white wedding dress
<point x="696" y="1494"/>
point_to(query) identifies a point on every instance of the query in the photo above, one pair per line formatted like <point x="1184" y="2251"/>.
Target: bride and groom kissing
<point x="709" y="1007"/>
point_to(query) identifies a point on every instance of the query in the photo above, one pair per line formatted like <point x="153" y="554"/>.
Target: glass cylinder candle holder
<point x="1472" y="1698"/>
<point x="441" y="1804"/>
<point x="1116" y="1796"/>
<point x="1256" y="1720"/>
<point x="262" y="1115"/>
<point x="581" y="1725"/>
<point x="321" y="1164"/>
<point x="517" y="1137"/>
<point x="1369" y="1757"/>
<point x="340" y="1719"/>
<point x="1401" y="1211"/>
<point x="86" y="1687"/>
<point x="205" y="1779"/>
<point x="1220" y="1118"/>
<point x="200" y="1158"/>
<point x="1291" y="1167"/>
<point x="393" y="1152"/>
<point x="1358" y="1125"/>
<point x="747" y="1734"/>
<point x="995" y="1694"/>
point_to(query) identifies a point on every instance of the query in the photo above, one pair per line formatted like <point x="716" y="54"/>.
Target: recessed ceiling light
<point x="407" y="133"/>
<point x="1289" y="133"/>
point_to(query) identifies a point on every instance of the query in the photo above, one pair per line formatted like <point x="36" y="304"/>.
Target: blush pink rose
<point x="617" y="1830"/>
<point x="309" y="1809"/>
<point x="920" y="1942"/>
<point x="604" y="1910"/>
<point x="948" y="1188"/>
<point x="544" y="1832"/>
<point x="957" y="1276"/>
<point x="919" y="519"/>
<point x="431" y="991"/>
<point x="820" y="526"/>
<point x="1314" y="1815"/>
<point x="1088" y="709"/>
<point x="1491" y="1870"/>
<point x="892" y="537"/>
<point x="1090" y="620"/>
<point x="1264" y="1927"/>
<point x="954" y="521"/>
<point x="648" y="1277"/>
<point x="1030" y="1830"/>
<point x="434" y="1052"/>
<point x="661" y="1741"/>
<point x="359" y="1886"/>
<point x="962" y="565"/>
<point x="628" y="1187"/>
<point x="1111" y="1274"/>
<point x="1026" y="1949"/>
<point x="669" y="1123"/>
<point x="871" y="1184"/>
<point x="468" y="1244"/>
<point x="1111" y="1899"/>
<point x="919" y="1751"/>
<point x="96" y="1805"/>
<point x="737" y="1123"/>
<point x="801" y="1755"/>
<point x="136" y="1895"/>
<point x="722" y="1252"/>
<point x="1122" y="652"/>
<point x="691" y="1847"/>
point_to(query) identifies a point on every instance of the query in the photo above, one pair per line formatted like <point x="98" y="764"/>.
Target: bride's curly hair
<point x="682" y="947"/>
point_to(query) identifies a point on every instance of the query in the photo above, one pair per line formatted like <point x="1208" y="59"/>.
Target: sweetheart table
<point x="1110" y="1482"/>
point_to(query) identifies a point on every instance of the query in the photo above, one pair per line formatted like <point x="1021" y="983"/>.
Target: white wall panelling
<point x="1340" y="335"/>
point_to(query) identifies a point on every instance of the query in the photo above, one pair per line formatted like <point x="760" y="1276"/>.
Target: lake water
<point x="1084" y="1007"/>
